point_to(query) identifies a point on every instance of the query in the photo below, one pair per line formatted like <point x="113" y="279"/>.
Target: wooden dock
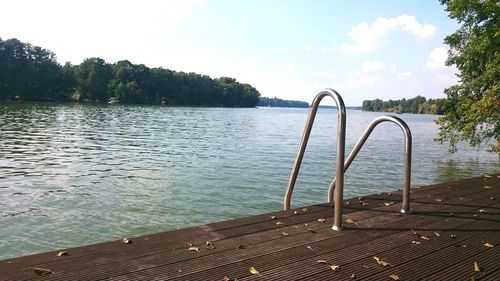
<point x="454" y="234"/>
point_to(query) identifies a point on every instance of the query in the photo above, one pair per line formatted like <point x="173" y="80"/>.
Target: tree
<point x="473" y="105"/>
<point x="93" y="76"/>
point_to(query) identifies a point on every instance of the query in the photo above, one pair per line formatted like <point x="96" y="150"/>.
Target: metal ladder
<point x="337" y="185"/>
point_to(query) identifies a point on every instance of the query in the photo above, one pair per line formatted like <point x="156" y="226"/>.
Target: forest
<point x="32" y="73"/>
<point x="417" y="104"/>
<point x="276" y="102"/>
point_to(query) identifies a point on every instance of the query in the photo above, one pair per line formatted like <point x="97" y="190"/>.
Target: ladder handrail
<point x="405" y="208"/>
<point x="341" y="127"/>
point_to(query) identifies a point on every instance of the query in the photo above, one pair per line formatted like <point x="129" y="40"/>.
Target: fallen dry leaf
<point x="209" y="245"/>
<point x="488" y="245"/>
<point x="194" y="249"/>
<point x="437" y="234"/>
<point x="439" y="200"/>
<point x="60" y="254"/>
<point x="309" y="247"/>
<point x="334" y="267"/>
<point x="284" y="233"/>
<point x="363" y="203"/>
<point x="349" y="221"/>
<point x="254" y="271"/>
<point x="353" y="276"/>
<point x="322" y="261"/>
<point x="226" y="278"/>
<point x="321" y="220"/>
<point x="312" y="230"/>
<point x="274" y="217"/>
<point x="492" y="198"/>
<point x="487" y="176"/>
<point x="305" y="210"/>
<point x="453" y="236"/>
<point x="476" y="267"/>
<point x="487" y="186"/>
<point x="394" y="277"/>
<point x="381" y="262"/>
<point x="279" y="223"/>
<point x="416" y="242"/>
<point x="190" y="244"/>
<point x="296" y="212"/>
<point x="42" y="271"/>
<point x="482" y="211"/>
<point x="420" y="235"/>
<point x="240" y="246"/>
<point x="389" y="203"/>
<point x="127" y="241"/>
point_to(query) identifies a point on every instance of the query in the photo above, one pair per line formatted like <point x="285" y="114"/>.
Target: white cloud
<point x="403" y="75"/>
<point x="358" y="80"/>
<point x="437" y="58"/>
<point x="366" y="37"/>
<point x="372" y="66"/>
<point x="307" y="48"/>
<point x="329" y="50"/>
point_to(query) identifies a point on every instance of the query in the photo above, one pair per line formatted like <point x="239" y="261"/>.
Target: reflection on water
<point x="78" y="174"/>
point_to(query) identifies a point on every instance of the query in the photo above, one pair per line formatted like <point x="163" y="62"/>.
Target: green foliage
<point x="275" y="102"/>
<point x="417" y="104"/>
<point x="33" y="74"/>
<point x="473" y="105"/>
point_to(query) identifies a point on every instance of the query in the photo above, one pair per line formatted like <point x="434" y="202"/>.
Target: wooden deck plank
<point x="280" y="252"/>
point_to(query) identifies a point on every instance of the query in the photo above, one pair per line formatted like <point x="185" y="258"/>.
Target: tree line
<point x="276" y="102"/>
<point x="417" y="104"/>
<point x="31" y="73"/>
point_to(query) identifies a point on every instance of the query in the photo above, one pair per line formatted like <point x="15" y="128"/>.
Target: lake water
<point x="79" y="174"/>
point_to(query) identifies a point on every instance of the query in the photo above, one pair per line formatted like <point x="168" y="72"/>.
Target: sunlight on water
<point x="77" y="174"/>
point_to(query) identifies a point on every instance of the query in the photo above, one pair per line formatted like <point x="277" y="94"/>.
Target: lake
<point x="74" y="174"/>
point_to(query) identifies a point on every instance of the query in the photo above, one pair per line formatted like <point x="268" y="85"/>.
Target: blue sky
<point x="289" y="49"/>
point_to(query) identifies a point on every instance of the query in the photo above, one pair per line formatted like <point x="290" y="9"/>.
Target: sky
<point x="290" y="49"/>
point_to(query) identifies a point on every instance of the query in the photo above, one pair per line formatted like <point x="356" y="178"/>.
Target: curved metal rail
<point x="405" y="208"/>
<point x="341" y="126"/>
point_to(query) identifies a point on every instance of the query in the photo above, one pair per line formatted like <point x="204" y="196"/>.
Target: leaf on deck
<point x="322" y="220"/>
<point x="127" y="241"/>
<point x="194" y="249"/>
<point x="254" y="271"/>
<point x="477" y="268"/>
<point x="389" y="203"/>
<point x="488" y="245"/>
<point x="209" y="245"/>
<point x="381" y="262"/>
<point x="322" y="261"/>
<point x="394" y="277"/>
<point x="334" y="267"/>
<point x="42" y="271"/>
<point x="350" y="221"/>
<point x="64" y="253"/>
